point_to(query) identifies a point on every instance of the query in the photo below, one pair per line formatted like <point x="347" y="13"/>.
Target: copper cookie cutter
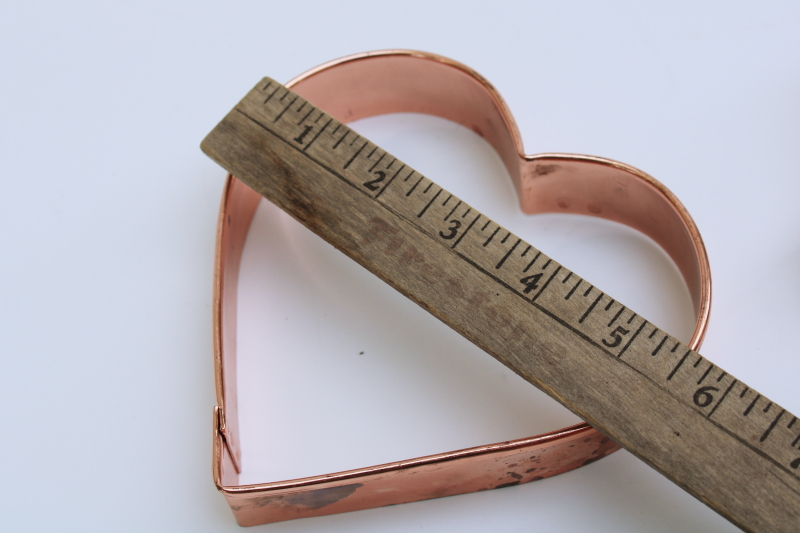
<point x="397" y="81"/>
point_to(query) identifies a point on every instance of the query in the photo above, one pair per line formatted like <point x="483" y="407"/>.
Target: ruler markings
<point x="750" y="407"/>
<point x="510" y="251"/>
<point x="633" y="338"/>
<point x="538" y="253"/>
<point x="413" y="188"/>
<point x="448" y="215"/>
<point x="572" y="291"/>
<point x="724" y="395"/>
<point x="649" y="378"/>
<point x="272" y="94"/>
<point x="466" y="231"/>
<point x="673" y="385"/>
<point x="350" y="161"/>
<point x="491" y="237"/>
<point x="378" y="161"/>
<point x="306" y="115"/>
<point x="435" y="196"/>
<point x="705" y="374"/>
<point x="680" y="363"/>
<point x="285" y="109"/>
<point x="355" y="186"/>
<point x="591" y="308"/>
<point x="390" y="180"/>
<point x="660" y="344"/>
<point x="341" y="139"/>
<point x="546" y="283"/>
<point x="771" y="426"/>
<point x="621" y="309"/>
<point x="323" y="128"/>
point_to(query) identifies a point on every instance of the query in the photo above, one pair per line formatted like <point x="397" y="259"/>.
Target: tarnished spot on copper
<point x="312" y="499"/>
<point x="544" y="170"/>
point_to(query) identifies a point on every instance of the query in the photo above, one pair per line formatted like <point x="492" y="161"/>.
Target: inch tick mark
<point x="722" y="398"/>
<point x="466" y="230"/>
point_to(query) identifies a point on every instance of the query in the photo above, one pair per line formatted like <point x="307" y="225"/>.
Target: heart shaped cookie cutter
<point x="398" y="81"/>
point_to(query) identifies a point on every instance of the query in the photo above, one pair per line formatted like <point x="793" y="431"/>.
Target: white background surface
<point x="107" y="220"/>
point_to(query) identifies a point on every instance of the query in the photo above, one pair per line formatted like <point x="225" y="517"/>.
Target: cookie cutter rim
<point x="392" y="81"/>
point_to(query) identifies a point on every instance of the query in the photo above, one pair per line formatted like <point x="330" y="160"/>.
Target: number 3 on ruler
<point x="452" y="231"/>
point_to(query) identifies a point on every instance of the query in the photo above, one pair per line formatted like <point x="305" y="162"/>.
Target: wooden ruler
<point x="705" y="430"/>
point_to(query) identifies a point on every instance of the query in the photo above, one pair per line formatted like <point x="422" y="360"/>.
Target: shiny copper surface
<point x="406" y="81"/>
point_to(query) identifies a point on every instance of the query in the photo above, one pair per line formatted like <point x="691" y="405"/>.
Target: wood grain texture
<point x="705" y="430"/>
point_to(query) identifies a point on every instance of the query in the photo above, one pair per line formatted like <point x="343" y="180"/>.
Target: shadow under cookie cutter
<point x="397" y="81"/>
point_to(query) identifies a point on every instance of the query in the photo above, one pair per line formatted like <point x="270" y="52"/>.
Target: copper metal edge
<point x="393" y="81"/>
